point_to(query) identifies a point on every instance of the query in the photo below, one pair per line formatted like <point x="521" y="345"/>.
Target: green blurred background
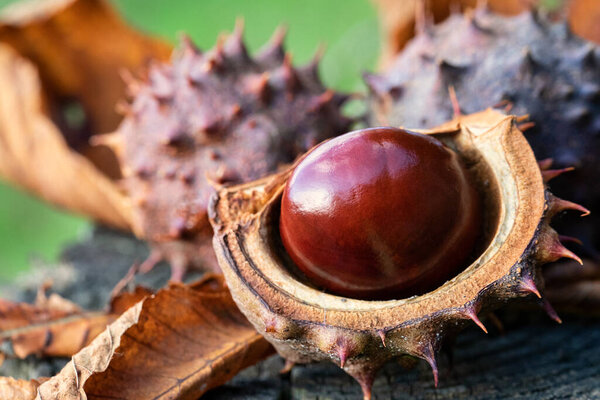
<point x="30" y="228"/>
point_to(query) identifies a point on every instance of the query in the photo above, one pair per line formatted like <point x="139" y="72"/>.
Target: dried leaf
<point x="18" y="315"/>
<point x="125" y="300"/>
<point x="398" y="18"/>
<point x="79" y="48"/>
<point x="584" y="18"/>
<point x="179" y="343"/>
<point x="17" y="389"/>
<point x="35" y="156"/>
<point x="55" y="326"/>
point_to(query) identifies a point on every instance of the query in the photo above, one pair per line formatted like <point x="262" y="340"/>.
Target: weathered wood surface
<point x="534" y="359"/>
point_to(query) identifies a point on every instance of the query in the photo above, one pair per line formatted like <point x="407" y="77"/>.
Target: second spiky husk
<point x="522" y="64"/>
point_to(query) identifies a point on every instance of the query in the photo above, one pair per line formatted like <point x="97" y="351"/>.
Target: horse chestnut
<point x="380" y="213"/>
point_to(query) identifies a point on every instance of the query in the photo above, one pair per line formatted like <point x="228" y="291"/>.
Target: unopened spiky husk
<point x="215" y="118"/>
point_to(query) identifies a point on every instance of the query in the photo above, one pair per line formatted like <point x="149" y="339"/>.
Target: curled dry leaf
<point x="398" y="18"/>
<point x="54" y="326"/>
<point x="17" y="389"/>
<point x="179" y="343"/>
<point x="79" y="48"/>
<point x="35" y="156"/>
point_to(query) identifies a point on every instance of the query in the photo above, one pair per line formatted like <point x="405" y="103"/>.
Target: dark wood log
<point x="535" y="359"/>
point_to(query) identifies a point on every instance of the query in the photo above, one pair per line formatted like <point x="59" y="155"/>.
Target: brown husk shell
<point x="306" y="325"/>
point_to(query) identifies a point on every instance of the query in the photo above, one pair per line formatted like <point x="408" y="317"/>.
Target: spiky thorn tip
<point x="381" y="333"/>
<point x="133" y="85"/>
<point x="454" y="101"/>
<point x="545" y="164"/>
<point x="342" y="352"/>
<point x="528" y="285"/>
<point x="550" y="174"/>
<point x="472" y="315"/>
<point x="188" y="45"/>
<point x="366" y="386"/>
<point x="559" y="205"/>
<point x="428" y="354"/>
<point x="238" y="29"/>
<point x="377" y="84"/>
<point x="273" y="50"/>
<point x="318" y="56"/>
<point x="321" y="101"/>
<point x="558" y="250"/>
<point x="154" y="258"/>
<point x="278" y="36"/>
<point x="525" y="126"/>
<point x="123" y="108"/>
<point x="571" y="239"/>
<point x="111" y="140"/>
<point x="550" y="311"/>
<point x="178" y="268"/>
<point x="287" y="367"/>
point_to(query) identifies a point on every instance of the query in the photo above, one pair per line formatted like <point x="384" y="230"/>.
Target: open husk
<point x="305" y="324"/>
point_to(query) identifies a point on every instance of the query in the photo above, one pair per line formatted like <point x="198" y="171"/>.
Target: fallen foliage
<point x="35" y="156"/>
<point x="17" y="389"/>
<point x="79" y="48"/>
<point x="178" y="343"/>
<point x="61" y="88"/>
<point x="56" y="327"/>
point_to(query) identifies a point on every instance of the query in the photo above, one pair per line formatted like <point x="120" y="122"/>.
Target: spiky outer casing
<point x="305" y="324"/>
<point x="522" y="62"/>
<point x="215" y="118"/>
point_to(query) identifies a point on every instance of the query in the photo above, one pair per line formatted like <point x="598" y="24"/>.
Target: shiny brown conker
<point x="380" y="213"/>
